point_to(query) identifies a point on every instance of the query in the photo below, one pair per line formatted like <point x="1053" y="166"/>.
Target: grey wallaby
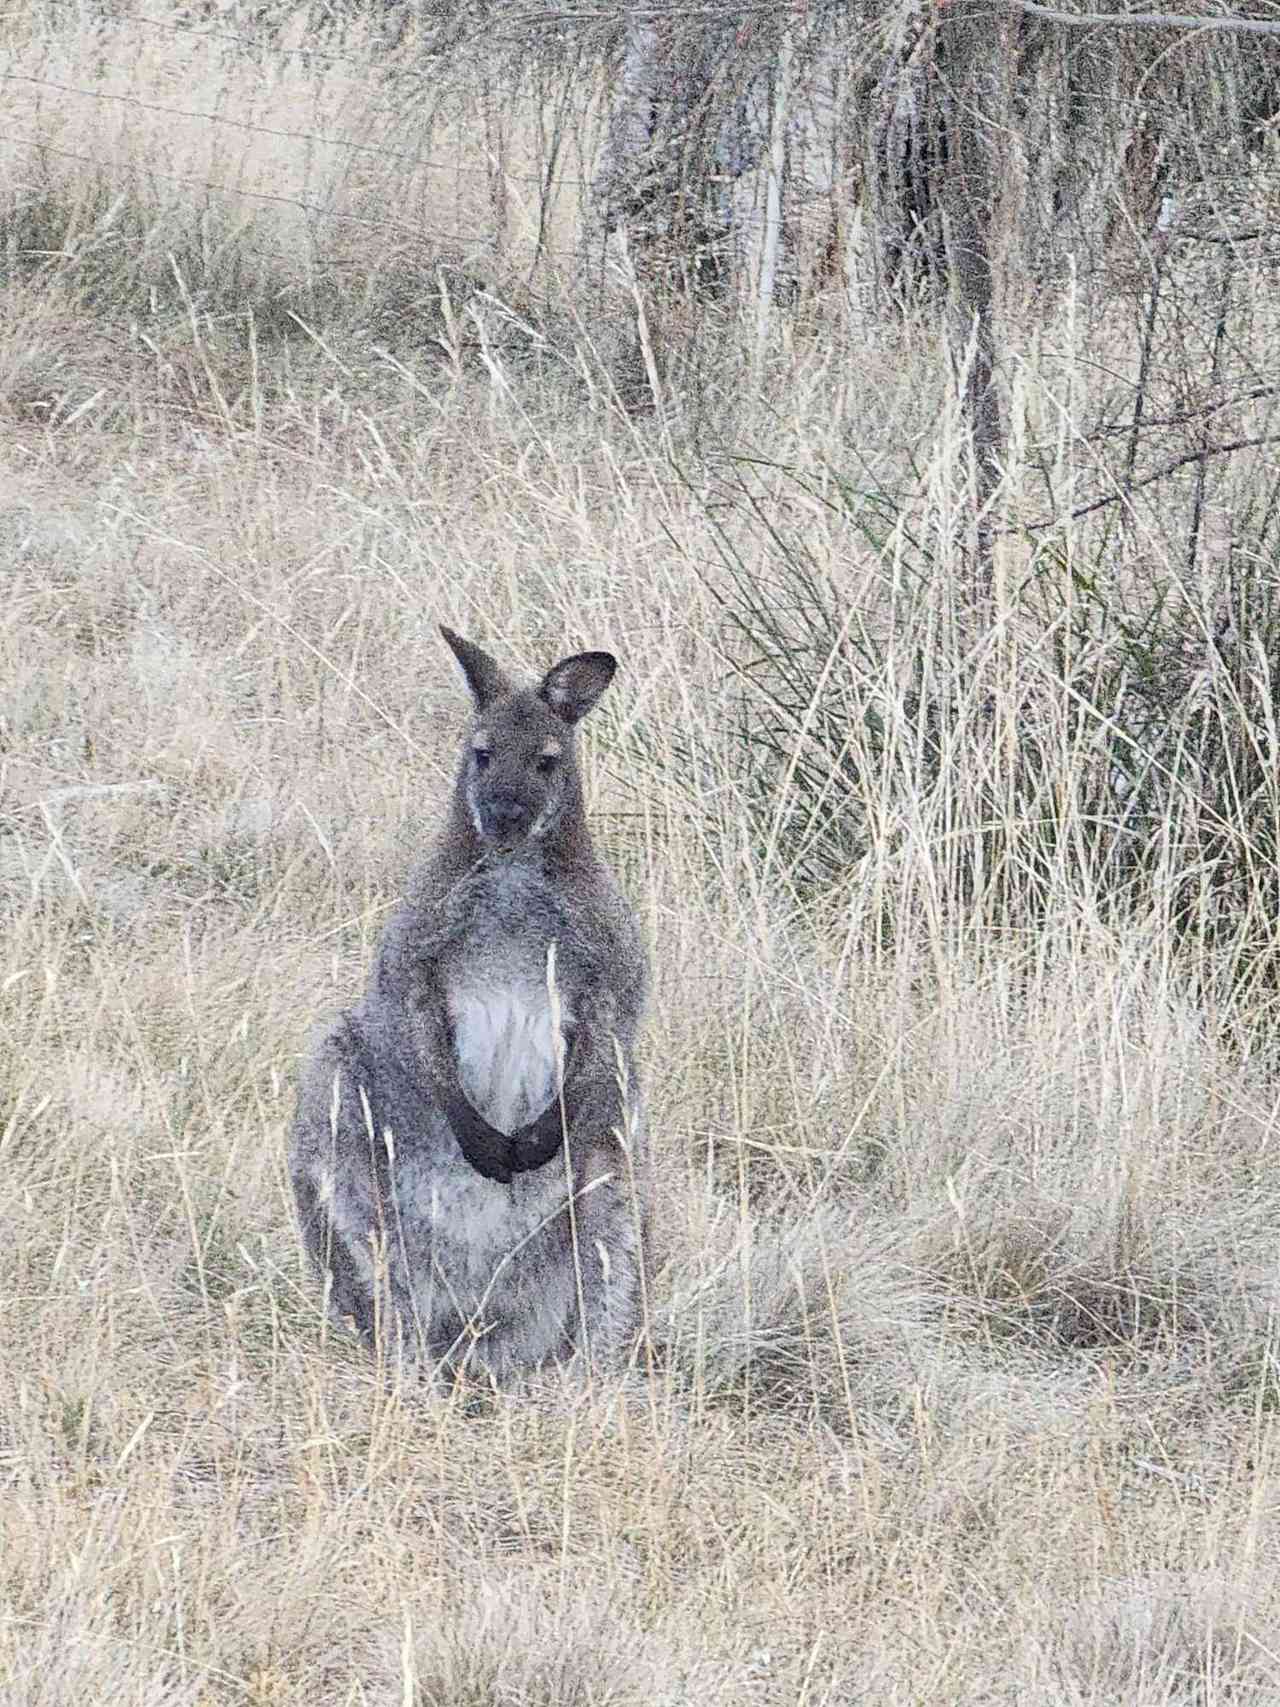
<point x="468" y="1153"/>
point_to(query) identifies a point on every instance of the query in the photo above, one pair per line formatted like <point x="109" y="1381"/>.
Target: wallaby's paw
<point x="536" y="1144"/>
<point x="490" y="1152"/>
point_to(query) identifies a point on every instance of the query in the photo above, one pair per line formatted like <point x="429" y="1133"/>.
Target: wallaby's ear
<point x="485" y="678"/>
<point x="573" y="686"/>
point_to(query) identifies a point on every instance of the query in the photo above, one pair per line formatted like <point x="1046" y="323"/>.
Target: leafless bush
<point x="1169" y="1642"/>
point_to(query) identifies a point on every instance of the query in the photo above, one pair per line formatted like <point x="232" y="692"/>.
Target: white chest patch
<point x="507" y="1043"/>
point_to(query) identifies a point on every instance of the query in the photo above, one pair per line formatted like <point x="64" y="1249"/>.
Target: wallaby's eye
<point x="546" y="763"/>
<point x="482" y="757"/>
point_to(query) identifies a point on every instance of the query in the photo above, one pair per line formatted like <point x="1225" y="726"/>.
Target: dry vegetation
<point x="964" y="1371"/>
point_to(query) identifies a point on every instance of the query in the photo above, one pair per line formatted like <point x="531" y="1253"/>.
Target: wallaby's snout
<point x="503" y="817"/>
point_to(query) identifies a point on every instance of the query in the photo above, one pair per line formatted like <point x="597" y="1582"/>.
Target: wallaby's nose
<point x="505" y="815"/>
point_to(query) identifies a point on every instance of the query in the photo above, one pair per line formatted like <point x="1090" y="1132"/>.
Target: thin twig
<point x="150" y="174"/>
<point x="1151" y="20"/>
<point x="1215" y="372"/>
<point x="1147" y="480"/>
<point x="1225" y="236"/>
<point x="1188" y="417"/>
<point x="95" y="790"/>
<point x="313" y="138"/>
<point x="1144" y="363"/>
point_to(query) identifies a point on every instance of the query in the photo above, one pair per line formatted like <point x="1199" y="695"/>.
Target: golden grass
<point x="963" y="1334"/>
<point x="299" y="155"/>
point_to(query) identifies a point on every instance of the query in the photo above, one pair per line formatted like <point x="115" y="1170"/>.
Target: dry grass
<point x="964" y="1349"/>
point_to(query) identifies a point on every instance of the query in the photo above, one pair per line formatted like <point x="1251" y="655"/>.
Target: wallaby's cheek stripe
<point x="545" y="819"/>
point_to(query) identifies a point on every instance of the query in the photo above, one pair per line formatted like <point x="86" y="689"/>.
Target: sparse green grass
<point x="963" y="1376"/>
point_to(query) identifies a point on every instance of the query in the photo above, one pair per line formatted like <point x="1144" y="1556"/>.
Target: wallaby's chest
<point x="508" y="1041"/>
<point x="509" y="1008"/>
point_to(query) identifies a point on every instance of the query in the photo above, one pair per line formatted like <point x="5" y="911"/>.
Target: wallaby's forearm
<point x="592" y="1106"/>
<point x="589" y="1088"/>
<point x="490" y="1152"/>
<point x="430" y="1037"/>
<point x="590" y="1082"/>
<point x="498" y="1156"/>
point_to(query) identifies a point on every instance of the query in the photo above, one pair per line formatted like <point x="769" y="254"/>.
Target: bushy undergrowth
<point x="1165" y="1642"/>
<point x="1102" y="735"/>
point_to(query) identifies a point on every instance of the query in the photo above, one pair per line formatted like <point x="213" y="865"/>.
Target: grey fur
<point x="468" y="1154"/>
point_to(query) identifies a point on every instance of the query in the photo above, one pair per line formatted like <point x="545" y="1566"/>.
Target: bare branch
<point x="1187" y="417"/>
<point x="1227" y="236"/>
<point x="1148" y="480"/>
<point x="1152" y="20"/>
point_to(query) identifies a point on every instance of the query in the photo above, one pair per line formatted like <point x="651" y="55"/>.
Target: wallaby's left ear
<point x="486" y="679"/>
<point x="573" y="686"/>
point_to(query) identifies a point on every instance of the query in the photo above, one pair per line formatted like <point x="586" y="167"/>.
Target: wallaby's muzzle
<point x="504" y="818"/>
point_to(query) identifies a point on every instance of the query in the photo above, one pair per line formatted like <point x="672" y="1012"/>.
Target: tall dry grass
<point x="963" y="1367"/>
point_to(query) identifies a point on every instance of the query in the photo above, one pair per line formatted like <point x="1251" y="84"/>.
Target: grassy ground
<point x="964" y="1364"/>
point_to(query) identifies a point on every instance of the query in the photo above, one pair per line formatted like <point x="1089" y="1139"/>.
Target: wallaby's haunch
<point x="468" y="1153"/>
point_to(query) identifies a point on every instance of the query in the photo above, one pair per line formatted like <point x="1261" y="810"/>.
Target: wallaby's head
<point x="519" y="775"/>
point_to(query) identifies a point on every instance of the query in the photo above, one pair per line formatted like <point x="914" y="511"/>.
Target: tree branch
<point x="1148" y="480"/>
<point x="1188" y="417"/>
<point x="1151" y="20"/>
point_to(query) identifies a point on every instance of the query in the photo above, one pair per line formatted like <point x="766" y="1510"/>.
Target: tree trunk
<point x="679" y="134"/>
<point x="975" y="72"/>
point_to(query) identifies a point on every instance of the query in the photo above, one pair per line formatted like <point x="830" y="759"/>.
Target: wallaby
<point x="468" y="1153"/>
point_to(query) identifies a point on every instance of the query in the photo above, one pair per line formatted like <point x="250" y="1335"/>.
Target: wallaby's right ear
<point x="485" y="679"/>
<point x="573" y="686"/>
